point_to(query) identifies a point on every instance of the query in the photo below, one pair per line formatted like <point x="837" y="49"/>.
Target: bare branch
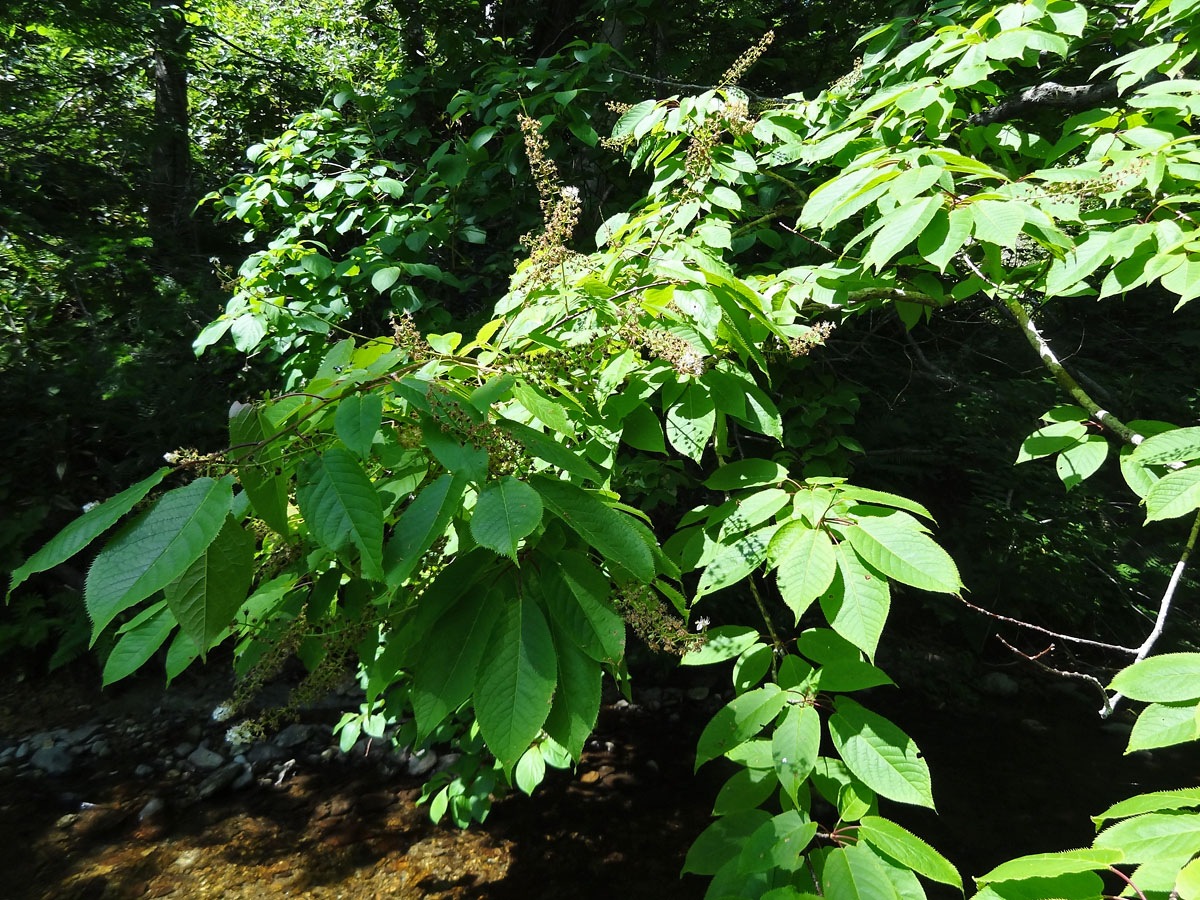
<point x="1117" y="648"/>
<point x="1164" y="607"/>
<point x="667" y="82"/>
<point x="1065" y="673"/>
<point x="1048" y="95"/>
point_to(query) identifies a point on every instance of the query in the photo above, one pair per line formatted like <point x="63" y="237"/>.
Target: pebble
<point x="265" y="753"/>
<point x="219" y="780"/>
<point x="155" y="808"/>
<point x="293" y="736"/>
<point x="182" y="750"/>
<point x="421" y="763"/>
<point x="203" y="758"/>
<point x="53" y="760"/>
<point x="143" y="771"/>
<point x="699" y="692"/>
<point x="999" y="684"/>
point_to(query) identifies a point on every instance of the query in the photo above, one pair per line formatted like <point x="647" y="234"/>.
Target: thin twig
<point x="1065" y="673"/>
<point x="1046" y="631"/>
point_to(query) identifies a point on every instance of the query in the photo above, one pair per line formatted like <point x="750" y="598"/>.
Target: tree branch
<point x="1048" y="95"/>
<point x="667" y="82"/>
<point x="1164" y="607"/>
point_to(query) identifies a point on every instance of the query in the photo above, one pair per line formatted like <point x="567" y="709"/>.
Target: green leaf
<point x="1175" y="494"/>
<point x="357" y="421"/>
<point x="599" y="525"/>
<point x="777" y="844"/>
<point x="341" y="506"/>
<point x="908" y="850"/>
<point x="1167" y="836"/>
<point x="721" y="643"/>
<point x="1161" y="679"/>
<point x="853" y="873"/>
<point x="577" y="699"/>
<point x="257" y="470"/>
<point x="631" y="117"/>
<point x="549" y="413"/>
<point x="857" y="602"/>
<point x="807" y="564"/>
<point x="544" y="447"/>
<point x="422" y="523"/>
<point x="893" y="546"/>
<point x="1155" y="801"/>
<point x="745" y="789"/>
<point x="880" y="754"/>
<point x="1188" y="884"/>
<point x="447" y="659"/>
<point x="738" y="721"/>
<point x="642" y="430"/>
<point x="515" y="685"/>
<point x="882" y="498"/>
<point x="577" y="595"/>
<point x="722" y="841"/>
<point x="155" y="548"/>
<point x="1049" y="865"/>
<point x="795" y="746"/>
<point x="1163" y="725"/>
<point x="899" y="228"/>
<point x="751" y="666"/>
<point x="447" y="448"/>
<point x="1080" y="461"/>
<point x="735" y="561"/>
<point x="1051" y="439"/>
<point x="531" y="769"/>
<point x="137" y="645"/>
<point x="998" y="221"/>
<point x="746" y="473"/>
<point x="207" y="596"/>
<point x="384" y="278"/>
<point x="506" y="511"/>
<point x="690" y="421"/>
<point x="85" y="529"/>
<point x="1176" y="445"/>
<point x="945" y="235"/>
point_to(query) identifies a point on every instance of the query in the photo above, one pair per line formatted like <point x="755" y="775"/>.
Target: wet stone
<point x="143" y="771"/>
<point x="293" y="736"/>
<point x="53" y="760"/>
<point x="182" y="750"/>
<point x="422" y="763"/>
<point x="220" y="780"/>
<point x="203" y="758"/>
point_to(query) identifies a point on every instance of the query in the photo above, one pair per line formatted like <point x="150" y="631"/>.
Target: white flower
<point x="88" y="507"/>
<point x="222" y="713"/>
<point x="171" y="458"/>
<point x="242" y="733"/>
<point x="702" y="623"/>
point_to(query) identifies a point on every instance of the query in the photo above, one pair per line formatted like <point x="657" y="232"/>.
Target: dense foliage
<point x="472" y="480"/>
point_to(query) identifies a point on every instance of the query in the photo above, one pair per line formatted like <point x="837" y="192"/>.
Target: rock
<point x="6" y="754"/>
<point x="220" y="779"/>
<point x="95" y="821"/>
<point x="697" y="693"/>
<point x="101" y="748"/>
<point x="23" y="751"/>
<point x="422" y="763"/>
<point x="143" y="771"/>
<point x="187" y="859"/>
<point x="651" y="695"/>
<point x="53" y="760"/>
<point x="155" y="808"/>
<point x="203" y="758"/>
<point x="244" y="780"/>
<point x="265" y="753"/>
<point x="999" y="684"/>
<point x="446" y="760"/>
<point x="182" y="750"/>
<point x="81" y="734"/>
<point x="293" y="736"/>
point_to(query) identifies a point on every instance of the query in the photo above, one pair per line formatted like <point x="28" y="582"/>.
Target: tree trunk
<point x="169" y="206"/>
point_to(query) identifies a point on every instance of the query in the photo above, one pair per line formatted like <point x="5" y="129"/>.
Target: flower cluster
<point x="816" y="335"/>
<point x="506" y="455"/>
<point x="560" y="206"/>
<point x="847" y="82"/>
<point x="648" y="616"/>
<point x="664" y="345"/>
<point x="743" y="63"/>
<point x="407" y="337"/>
